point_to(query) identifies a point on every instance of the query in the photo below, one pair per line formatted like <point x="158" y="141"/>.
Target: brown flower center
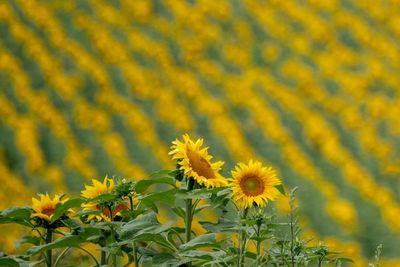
<point x="48" y="211"/>
<point x="251" y="185"/>
<point x="200" y="165"/>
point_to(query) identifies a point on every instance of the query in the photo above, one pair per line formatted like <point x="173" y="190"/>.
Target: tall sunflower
<point x="254" y="184"/>
<point x="45" y="206"/>
<point x="91" y="191"/>
<point x="196" y="162"/>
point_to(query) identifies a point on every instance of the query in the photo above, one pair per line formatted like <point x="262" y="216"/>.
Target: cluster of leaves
<point x="136" y="236"/>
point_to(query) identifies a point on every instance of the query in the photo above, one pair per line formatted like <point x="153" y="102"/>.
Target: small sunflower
<point x="45" y="206"/>
<point x="254" y="184"/>
<point x="195" y="162"/>
<point x="98" y="188"/>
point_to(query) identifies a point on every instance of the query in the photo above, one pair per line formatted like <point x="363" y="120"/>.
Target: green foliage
<point x="136" y="231"/>
<point x="62" y="208"/>
<point x="19" y="215"/>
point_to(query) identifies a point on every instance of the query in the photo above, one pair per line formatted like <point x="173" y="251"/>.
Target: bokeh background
<point x="89" y="88"/>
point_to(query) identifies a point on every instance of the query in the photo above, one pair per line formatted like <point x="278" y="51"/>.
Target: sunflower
<point x="195" y="162"/>
<point x="254" y="184"/>
<point x="98" y="188"/>
<point x="45" y="206"/>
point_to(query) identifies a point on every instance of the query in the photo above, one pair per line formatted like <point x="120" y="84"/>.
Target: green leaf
<point x="23" y="212"/>
<point x="202" y="255"/>
<point x="206" y="240"/>
<point x="142" y="185"/>
<point x="250" y="255"/>
<point x="223" y="191"/>
<point x="148" y="237"/>
<point x="19" y="215"/>
<point x="72" y="224"/>
<point x="102" y="198"/>
<point x="166" y="197"/>
<point x="129" y="230"/>
<point x="10" y="262"/>
<point x="147" y="252"/>
<point x="89" y="212"/>
<point x="221" y="199"/>
<point x="281" y="189"/>
<point x="153" y="230"/>
<point x="107" y="225"/>
<point x="161" y="173"/>
<point x="66" y="241"/>
<point x="200" y="208"/>
<point x="161" y="258"/>
<point x="223" y="260"/>
<point x="61" y="209"/>
<point x="223" y="225"/>
<point x="203" y="193"/>
<point x="159" y="239"/>
<point x="27" y="239"/>
<point x="342" y="259"/>
<point x="131" y="214"/>
<point x="179" y="211"/>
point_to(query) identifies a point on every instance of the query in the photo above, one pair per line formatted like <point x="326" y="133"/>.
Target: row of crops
<point x="89" y="88"/>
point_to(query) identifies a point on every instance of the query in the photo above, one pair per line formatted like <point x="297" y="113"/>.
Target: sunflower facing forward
<point x="45" y="207"/>
<point x="195" y="162"/>
<point x="254" y="184"/>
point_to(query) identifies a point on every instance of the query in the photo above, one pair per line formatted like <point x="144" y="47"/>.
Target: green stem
<point x="135" y="257"/>
<point x="188" y="220"/>
<point x="49" y="238"/>
<point x="131" y="202"/>
<point x="242" y="241"/>
<point x="60" y="256"/>
<point x="292" y="239"/>
<point x="189" y="215"/>
<point x="114" y="256"/>
<point x="91" y="255"/>
<point x="258" y="245"/>
<point x="134" y="249"/>
<point x="103" y="258"/>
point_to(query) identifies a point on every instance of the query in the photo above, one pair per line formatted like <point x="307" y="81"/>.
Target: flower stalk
<point x="49" y="238"/>
<point x="258" y="245"/>
<point x="242" y="239"/>
<point x="114" y="256"/>
<point x="189" y="212"/>
<point x="103" y="258"/>
<point x="134" y="249"/>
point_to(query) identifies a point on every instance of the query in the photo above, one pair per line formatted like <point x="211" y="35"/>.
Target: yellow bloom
<point x="195" y="162"/>
<point x="253" y="184"/>
<point x="98" y="188"/>
<point x="45" y="206"/>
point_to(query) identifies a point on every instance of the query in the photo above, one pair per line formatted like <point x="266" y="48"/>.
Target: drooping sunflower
<point x="254" y="184"/>
<point x="45" y="206"/>
<point x="98" y="188"/>
<point x="196" y="162"/>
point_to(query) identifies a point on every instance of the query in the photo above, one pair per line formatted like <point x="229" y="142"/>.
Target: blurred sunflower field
<point x="95" y="87"/>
